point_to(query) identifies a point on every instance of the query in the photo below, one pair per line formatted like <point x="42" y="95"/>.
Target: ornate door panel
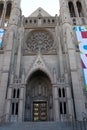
<point x="39" y="111"/>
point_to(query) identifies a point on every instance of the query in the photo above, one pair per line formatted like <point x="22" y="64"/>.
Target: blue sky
<point x="29" y="6"/>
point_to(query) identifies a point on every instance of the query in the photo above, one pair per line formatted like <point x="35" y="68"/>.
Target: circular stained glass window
<point x="39" y="41"/>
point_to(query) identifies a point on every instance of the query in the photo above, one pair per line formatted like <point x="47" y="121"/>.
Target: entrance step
<point x="45" y="126"/>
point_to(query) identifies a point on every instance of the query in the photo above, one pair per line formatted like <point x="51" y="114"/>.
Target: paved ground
<point x="43" y="126"/>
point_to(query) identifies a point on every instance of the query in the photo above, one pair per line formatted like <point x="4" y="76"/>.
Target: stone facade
<point x="40" y="67"/>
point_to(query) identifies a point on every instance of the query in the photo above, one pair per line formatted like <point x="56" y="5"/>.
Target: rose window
<point x="39" y="41"/>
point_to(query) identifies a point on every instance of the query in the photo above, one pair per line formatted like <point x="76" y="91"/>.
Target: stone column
<point x="19" y="56"/>
<point x="2" y="20"/>
<point x="75" y="8"/>
<point x="55" y="103"/>
<point x="59" y="52"/>
<point x="69" y="102"/>
<point x="9" y="98"/>
<point x="21" y="100"/>
<point x="57" y="41"/>
<point x="18" y="68"/>
<point x="21" y="104"/>
<point x="8" y="104"/>
<point x="84" y="7"/>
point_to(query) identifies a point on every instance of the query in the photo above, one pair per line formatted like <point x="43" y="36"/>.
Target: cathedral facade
<point x="41" y="75"/>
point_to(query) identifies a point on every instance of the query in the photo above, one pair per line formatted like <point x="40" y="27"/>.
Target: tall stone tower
<point x="40" y="69"/>
<point x="72" y="13"/>
<point x="10" y="15"/>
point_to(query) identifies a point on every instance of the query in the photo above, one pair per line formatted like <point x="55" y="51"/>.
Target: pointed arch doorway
<point x="39" y="99"/>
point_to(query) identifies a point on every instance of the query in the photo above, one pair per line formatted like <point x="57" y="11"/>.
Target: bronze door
<point x="39" y="111"/>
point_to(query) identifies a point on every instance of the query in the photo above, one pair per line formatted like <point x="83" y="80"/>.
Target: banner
<point x="81" y="33"/>
<point x="1" y="37"/>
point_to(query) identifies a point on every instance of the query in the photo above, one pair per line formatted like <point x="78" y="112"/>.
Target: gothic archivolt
<point x="39" y="41"/>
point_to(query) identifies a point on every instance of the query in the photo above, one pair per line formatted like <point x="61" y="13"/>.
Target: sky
<point x="29" y="6"/>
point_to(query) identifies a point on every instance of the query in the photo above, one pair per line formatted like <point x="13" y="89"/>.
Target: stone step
<point x="44" y="126"/>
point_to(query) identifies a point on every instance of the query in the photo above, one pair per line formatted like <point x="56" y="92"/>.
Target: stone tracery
<point x="39" y="41"/>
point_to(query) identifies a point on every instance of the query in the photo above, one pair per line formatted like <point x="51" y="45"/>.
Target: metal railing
<point x="69" y="124"/>
<point x="4" y="119"/>
<point x="75" y="124"/>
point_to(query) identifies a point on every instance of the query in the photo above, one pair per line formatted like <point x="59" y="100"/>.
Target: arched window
<point x="63" y="109"/>
<point x="64" y="105"/>
<point x="18" y="92"/>
<point x="8" y="10"/>
<point x="59" y="92"/>
<point x="71" y="9"/>
<point x="14" y="108"/>
<point x="63" y="92"/>
<point x="79" y="7"/>
<point x="1" y="9"/>
<point x="14" y="93"/>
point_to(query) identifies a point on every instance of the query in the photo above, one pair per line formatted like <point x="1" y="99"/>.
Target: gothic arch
<point x="8" y="10"/>
<point x="38" y="92"/>
<point x="1" y="8"/>
<point x="39" y="69"/>
<point x="80" y="9"/>
<point x="71" y="9"/>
